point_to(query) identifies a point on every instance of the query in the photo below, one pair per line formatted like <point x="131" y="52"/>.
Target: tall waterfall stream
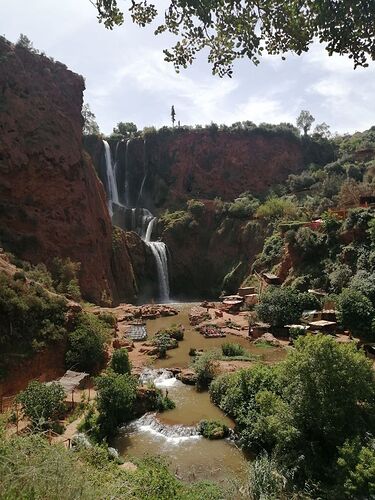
<point x="142" y="220"/>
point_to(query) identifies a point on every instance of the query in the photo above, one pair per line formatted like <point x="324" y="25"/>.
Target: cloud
<point x="128" y="80"/>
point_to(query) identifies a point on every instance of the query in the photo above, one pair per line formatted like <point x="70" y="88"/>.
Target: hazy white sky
<point x="128" y="80"/>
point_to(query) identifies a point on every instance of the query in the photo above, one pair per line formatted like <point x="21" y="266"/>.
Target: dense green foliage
<point x="164" y="341"/>
<point x="30" y="318"/>
<point x="31" y="468"/>
<point x="306" y="408"/>
<point x="212" y="429"/>
<point x="42" y="404"/>
<point x="356" y="312"/>
<point x="282" y="306"/>
<point x="175" y="332"/>
<point x="232" y="349"/>
<point x="120" y="361"/>
<point x="277" y="208"/>
<point x="116" y="398"/>
<point x="232" y="30"/>
<point x="204" y="365"/>
<point x="86" y="343"/>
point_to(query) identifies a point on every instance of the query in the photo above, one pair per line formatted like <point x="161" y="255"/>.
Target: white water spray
<point x="111" y="178"/>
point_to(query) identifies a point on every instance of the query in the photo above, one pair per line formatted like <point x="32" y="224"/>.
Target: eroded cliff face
<point x="200" y="164"/>
<point x="51" y="200"/>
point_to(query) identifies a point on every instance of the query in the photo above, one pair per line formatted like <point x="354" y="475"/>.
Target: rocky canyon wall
<point x="51" y="200"/>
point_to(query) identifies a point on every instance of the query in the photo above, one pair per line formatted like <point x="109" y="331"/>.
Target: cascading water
<point x="173" y="434"/>
<point x="159" y="250"/>
<point x="142" y="220"/>
<point x="111" y="178"/>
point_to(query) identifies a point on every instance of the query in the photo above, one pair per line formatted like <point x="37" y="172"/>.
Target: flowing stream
<point x="173" y="434"/>
<point x="142" y="220"/>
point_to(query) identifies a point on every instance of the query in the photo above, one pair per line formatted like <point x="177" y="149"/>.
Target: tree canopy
<point x="231" y="29"/>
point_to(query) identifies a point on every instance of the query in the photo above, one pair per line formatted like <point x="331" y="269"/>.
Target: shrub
<point x="30" y="318"/>
<point x="357" y="469"/>
<point x="108" y="318"/>
<point x="355" y="312"/>
<point x="196" y="208"/>
<point x="120" y="361"/>
<point x="339" y="277"/>
<point x="40" y="274"/>
<point x="203" y="366"/>
<point x="277" y="208"/>
<point x="364" y="282"/>
<point x="116" y="398"/>
<point x="175" y="332"/>
<point x="271" y="254"/>
<point x="265" y="480"/>
<point x="86" y="344"/>
<point x="243" y="207"/>
<point x="65" y="276"/>
<point x="232" y="350"/>
<point x="212" y="429"/>
<point x="163" y="342"/>
<point x="280" y="306"/>
<point x="310" y="244"/>
<point x="41" y="403"/>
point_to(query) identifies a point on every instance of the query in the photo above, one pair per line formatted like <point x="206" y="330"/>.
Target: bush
<point x="212" y="429"/>
<point x="309" y="244"/>
<point x="203" y="366"/>
<point x="280" y="306"/>
<point x="196" y="208"/>
<point x="230" y="349"/>
<point x="355" y="312"/>
<point x="30" y="319"/>
<point x="272" y="252"/>
<point x="108" y="318"/>
<point x="265" y="480"/>
<point x="364" y="282"/>
<point x="41" y="274"/>
<point x="120" y="361"/>
<point x="65" y="277"/>
<point x="164" y="342"/>
<point x="41" y="403"/>
<point x="339" y="277"/>
<point x="243" y="207"/>
<point x="86" y="344"/>
<point x="115" y="401"/>
<point x="357" y="469"/>
<point x="276" y="209"/>
<point x="175" y="332"/>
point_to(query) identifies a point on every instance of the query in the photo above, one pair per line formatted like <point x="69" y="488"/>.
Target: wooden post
<point x="72" y="398"/>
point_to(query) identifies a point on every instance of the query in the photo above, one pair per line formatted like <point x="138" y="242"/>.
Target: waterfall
<point x="127" y="193"/>
<point x="150" y="228"/>
<point x="142" y="220"/>
<point x="159" y="250"/>
<point x="159" y="377"/>
<point x="173" y="434"/>
<point x="111" y="178"/>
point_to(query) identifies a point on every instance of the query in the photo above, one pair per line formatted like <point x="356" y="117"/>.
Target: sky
<point x="127" y="78"/>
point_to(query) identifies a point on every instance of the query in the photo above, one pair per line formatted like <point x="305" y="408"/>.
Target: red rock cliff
<point x="51" y="201"/>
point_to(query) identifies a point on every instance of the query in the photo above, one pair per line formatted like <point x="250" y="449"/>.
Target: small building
<point x="248" y="290"/>
<point x="271" y="279"/>
<point x="323" y="326"/>
<point x="367" y="201"/>
<point x="329" y="314"/>
<point x="258" y="329"/>
<point x="251" y="299"/>
<point x="313" y="315"/>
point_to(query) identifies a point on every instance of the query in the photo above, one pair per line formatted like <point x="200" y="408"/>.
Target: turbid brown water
<point x="173" y="434"/>
<point x="180" y="357"/>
